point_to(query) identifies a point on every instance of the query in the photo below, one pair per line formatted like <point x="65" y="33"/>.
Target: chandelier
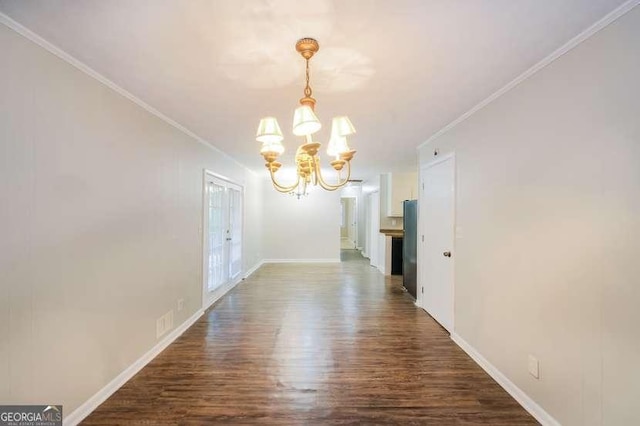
<point x="305" y="123"/>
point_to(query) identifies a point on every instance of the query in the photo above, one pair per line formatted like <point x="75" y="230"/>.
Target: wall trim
<point x="251" y="271"/>
<point x="55" y="50"/>
<point x="213" y="174"/>
<point x="518" y="394"/>
<point x="433" y="161"/>
<point x="99" y="397"/>
<point x="571" y="44"/>
<point x="330" y="260"/>
<point x="220" y="292"/>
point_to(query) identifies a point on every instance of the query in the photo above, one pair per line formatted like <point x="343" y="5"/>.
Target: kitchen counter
<point x="392" y="232"/>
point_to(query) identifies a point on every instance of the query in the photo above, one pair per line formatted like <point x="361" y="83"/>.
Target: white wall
<point x="548" y="209"/>
<point x="373" y="229"/>
<point x="253" y="251"/>
<point x="100" y="227"/>
<point x="301" y="229"/>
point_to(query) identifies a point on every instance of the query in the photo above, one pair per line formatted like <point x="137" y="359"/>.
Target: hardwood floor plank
<point x="313" y="344"/>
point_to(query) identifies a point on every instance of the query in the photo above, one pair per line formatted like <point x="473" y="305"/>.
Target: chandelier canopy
<point x="305" y="124"/>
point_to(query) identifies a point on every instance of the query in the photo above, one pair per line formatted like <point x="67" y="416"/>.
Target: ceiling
<point x="401" y="69"/>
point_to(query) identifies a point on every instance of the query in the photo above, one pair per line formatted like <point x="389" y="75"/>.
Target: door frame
<point x="354" y="218"/>
<point x="204" y="227"/>
<point x="373" y="209"/>
<point x="421" y="227"/>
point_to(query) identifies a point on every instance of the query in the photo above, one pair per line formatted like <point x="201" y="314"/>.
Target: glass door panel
<point x="223" y="235"/>
<point x="216" y="237"/>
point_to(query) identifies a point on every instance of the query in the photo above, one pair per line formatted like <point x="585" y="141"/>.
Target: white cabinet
<point x="399" y="187"/>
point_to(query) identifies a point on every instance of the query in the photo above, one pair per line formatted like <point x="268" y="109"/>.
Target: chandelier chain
<point x="307" y="89"/>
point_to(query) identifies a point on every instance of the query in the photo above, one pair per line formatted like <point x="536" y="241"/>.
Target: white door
<point x="222" y="236"/>
<point x="437" y="196"/>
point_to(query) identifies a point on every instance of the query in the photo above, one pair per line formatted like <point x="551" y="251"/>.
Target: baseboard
<point x="220" y="292"/>
<point x="518" y="394"/>
<point x="254" y="269"/>
<point x="94" y="402"/>
<point x="331" y="260"/>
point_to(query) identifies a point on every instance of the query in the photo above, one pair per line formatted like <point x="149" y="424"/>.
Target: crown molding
<point x="55" y="50"/>
<point x="571" y="44"/>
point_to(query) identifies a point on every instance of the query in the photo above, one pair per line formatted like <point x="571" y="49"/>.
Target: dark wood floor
<point x="313" y="344"/>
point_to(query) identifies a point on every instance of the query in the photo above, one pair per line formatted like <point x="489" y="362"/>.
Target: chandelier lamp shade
<point x="305" y="124"/>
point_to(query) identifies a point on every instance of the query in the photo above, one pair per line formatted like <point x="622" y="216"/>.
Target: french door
<point x="222" y="236"/>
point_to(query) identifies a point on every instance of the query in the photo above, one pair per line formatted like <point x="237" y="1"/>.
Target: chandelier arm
<point x="327" y="186"/>
<point x="280" y="188"/>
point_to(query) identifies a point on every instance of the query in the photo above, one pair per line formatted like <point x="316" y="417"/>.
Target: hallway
<point x="313" y="344"/>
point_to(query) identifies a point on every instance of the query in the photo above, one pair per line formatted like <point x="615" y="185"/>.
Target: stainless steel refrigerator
<point x="410" y="246"/>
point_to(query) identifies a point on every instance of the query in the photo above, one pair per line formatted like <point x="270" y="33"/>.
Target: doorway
<point x="222" y="236"/>
<point x="349" y="223"/>
<point x="436" y="243"/>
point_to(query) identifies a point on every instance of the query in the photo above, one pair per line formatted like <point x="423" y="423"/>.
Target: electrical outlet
<point x="180" y="304"/>
<point x="534" y="366"/>
<point x="393" y="222"/>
